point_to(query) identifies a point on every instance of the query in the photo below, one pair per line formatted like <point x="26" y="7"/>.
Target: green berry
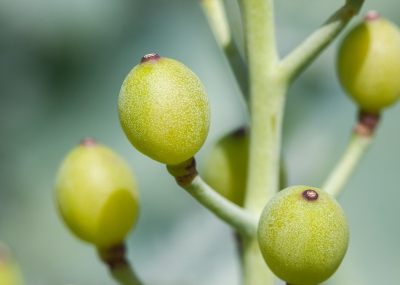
<point x="10" y="272"/>
<point x="369" y="63"/>
<point x="303" y="235"/>
<point x="164" y="110"/>
<point x="225" y="168"/>
<point x="96" y="194"/>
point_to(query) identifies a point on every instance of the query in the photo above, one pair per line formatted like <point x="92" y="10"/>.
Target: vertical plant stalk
<point x="119" y="267"/>
<point x="359" y="143"/>
<point x="218" y="20"/>
<point x="266" y="108"/>
<point x="266" y="103"/>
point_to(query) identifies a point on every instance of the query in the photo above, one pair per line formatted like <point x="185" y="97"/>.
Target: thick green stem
<point x="255" y="271"/>
<point x="266" y="103"/>
<point x="266" y="109"/>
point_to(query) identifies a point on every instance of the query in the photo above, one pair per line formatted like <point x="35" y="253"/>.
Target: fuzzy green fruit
<point x="303" y="235"/>
<point x="10" y="272"/>
<point x="225" y="169"/>
<point x="96" y="194"/>
<point x="164" y="110"/>
<point x="369" y="63"/>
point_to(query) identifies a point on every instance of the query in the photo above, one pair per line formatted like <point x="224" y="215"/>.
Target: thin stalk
<point x="358" y="144"/>
<point x="115" y="258"/>
<point x="125" y="276"/>
<point x="306" y="52"/>
<point x="218" y="21"/>
<point x="187" y="177"/>
<point x="243" y="221"/>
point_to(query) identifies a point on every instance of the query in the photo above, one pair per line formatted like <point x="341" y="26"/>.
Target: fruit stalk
<point x="119" y="267"/>
<point x="186" y="176"/>
<point x="306" y="52"/>
<point x="360" y="141"/>
<point x="218" y="20"/>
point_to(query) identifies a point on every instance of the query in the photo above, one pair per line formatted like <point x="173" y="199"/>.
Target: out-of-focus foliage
<point x="61" y="67"/>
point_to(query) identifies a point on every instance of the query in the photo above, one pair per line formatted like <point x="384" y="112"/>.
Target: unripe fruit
<point x="164" y="110"/>
<point x="303" y="235"/>
<point x="10" y="272"/>
<point x="96" y="194"/>
<point x="225" y="169"/>
<point x="369" y="63"/>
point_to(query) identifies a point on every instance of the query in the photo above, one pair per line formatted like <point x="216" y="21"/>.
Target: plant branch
<point x="216" y="16"/>
<point x="291" y="66"/>
<point x="266" y="103"/>
<point x="187" y="177"/>
<point x="267" y="95"/>
<point x="359" y="143"/>
<point x="119" y="267"/>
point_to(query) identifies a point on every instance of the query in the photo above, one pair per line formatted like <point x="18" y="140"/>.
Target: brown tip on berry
<point x="310" y="195"/>
<point x="150" y="57"/>
<point x="371" y="16"/>
<point x="240" y="132"/>
<point x="88" y="142"/>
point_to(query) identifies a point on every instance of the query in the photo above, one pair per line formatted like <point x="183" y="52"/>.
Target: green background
<point x="61" y="66"/>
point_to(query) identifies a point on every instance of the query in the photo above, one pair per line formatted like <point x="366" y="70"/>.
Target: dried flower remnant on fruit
<point x="88" y="142"/>
<point x="310" y="195"/>
<point x="150" y="57"/>
<point x="371" y="16"/>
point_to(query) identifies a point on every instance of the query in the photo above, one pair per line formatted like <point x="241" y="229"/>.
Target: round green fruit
<point x="10" y="272"/>
<point x="96" y="194"/>
<point x="303" y="235"/>
<point x="369" y="63"/>
<point x="225" y="169"/>
<point x="164" y="110"/>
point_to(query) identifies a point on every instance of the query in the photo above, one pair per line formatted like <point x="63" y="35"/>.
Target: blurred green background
<point x="61" y="67"/>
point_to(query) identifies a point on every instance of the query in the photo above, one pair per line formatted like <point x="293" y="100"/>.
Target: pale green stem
<point x="305" y="53"/>
<point x="255" y="270"/>
<point x="347" y="164"/>
<point x="266" y="103"/>
<point x="266" y="110"/>
<point x="240" y="219"/>
<point x="217" y="18"/>
<point x="125" y="276"/>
